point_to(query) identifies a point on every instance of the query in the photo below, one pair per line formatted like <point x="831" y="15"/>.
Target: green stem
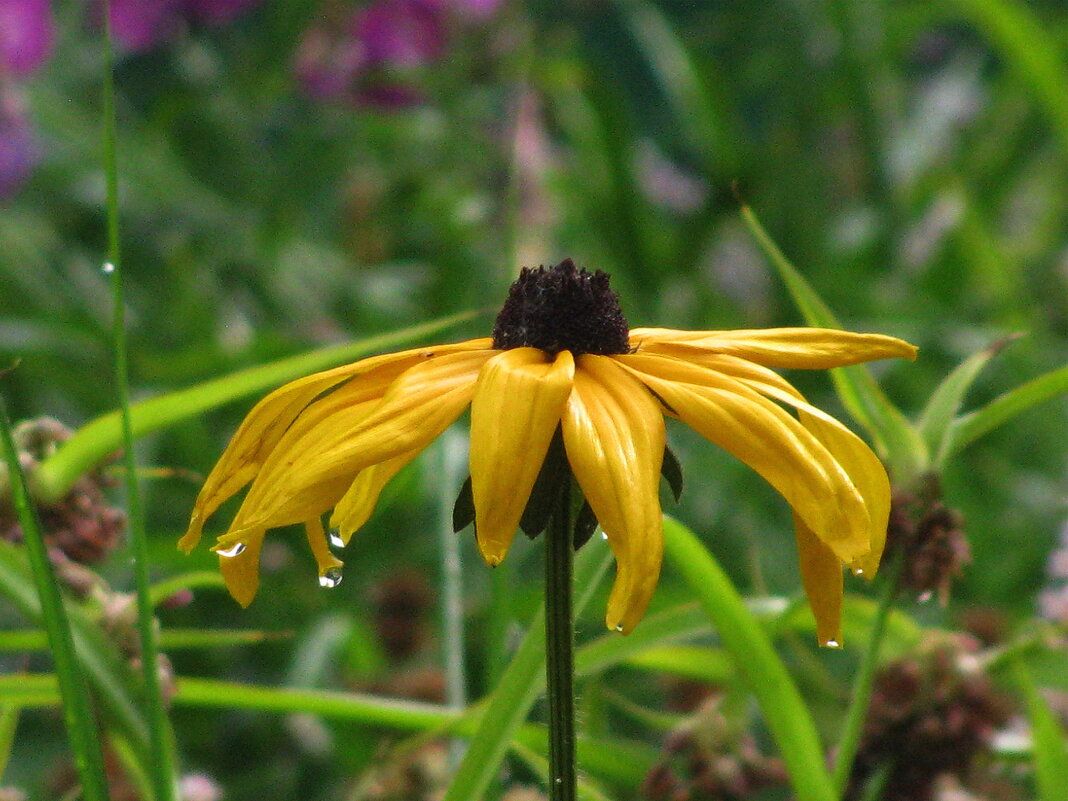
<point x="560" y="652"/>
<point x="862" y="686"/>
<point x="155" y="713"/>
<point x="77" y="709"/>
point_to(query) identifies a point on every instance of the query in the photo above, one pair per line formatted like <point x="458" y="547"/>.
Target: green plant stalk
<point x="518" y="688"/>
<point x="99" y="438"/>
<point x="159" y="735"/>
<point x="77" y="710"/>
<point x="860" y="697"/>
<point x="759" y="666"/>
<point x="560" y="652"/>
<point x="452" y="601"/>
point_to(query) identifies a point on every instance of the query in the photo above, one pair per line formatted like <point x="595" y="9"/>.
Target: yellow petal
<point x="864" y="468"/>
<point x="269" y="419"/>
<point x="239" y="564"/>
<point x="808" y="348"/>
<point x="518" y="401"/>
<point x="418" y="406"/>
<point x="355" y="507"/>
<point x="821" y="576"/>
<point x="328" y="564"/>
<point x="614" y="436"/>
<point x="769" y="440"/>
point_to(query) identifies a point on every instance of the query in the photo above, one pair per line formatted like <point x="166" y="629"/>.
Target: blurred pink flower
<point x="372" y="56"/>
<point x="25" y="35"/>
<point x="19" y="150"/>
<point x="143" y="24"/>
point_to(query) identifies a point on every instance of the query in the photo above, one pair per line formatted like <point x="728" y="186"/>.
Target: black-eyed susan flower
<point x="562" y="359"/>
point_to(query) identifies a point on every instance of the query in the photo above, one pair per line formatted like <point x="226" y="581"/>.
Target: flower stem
<point x="559" y="652"/>
<point x="862" y="686"/>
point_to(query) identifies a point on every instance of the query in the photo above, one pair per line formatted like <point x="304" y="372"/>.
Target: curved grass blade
<point x="760" y="667"/>
<point x="937" y="416"/>
<point x="970" y="427"/>
<point x="894" y="436"/>
<point x="1030" y="50"/>
<point x="77" y="708"/>
<point x="103" y="436"/>
<point x="1050" y="741"/>
<point x="97" y="657"/>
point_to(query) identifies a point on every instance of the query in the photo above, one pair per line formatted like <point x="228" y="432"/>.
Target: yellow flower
<point x="562" y="358"/>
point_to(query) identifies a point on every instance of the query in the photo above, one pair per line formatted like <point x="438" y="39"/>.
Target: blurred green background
<point x="291" y="177"/>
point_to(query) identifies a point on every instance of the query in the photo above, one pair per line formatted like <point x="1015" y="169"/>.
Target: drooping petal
<point x="768" y="439"/>
<point x="614" y="436"/>
<point x="263" y="427"/>
<point x="821" y="576"/>
<point x="320" y="548"/>
<point x="803" y="348"/>
<point x="418" y="406"/>
<point x="518" y="402"/>
<point x="864" y="468"/>
<point x="239" y="564"/>
<point x="355" y="507"/>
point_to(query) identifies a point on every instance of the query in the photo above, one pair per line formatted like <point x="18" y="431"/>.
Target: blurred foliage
<point x="910" y="158"/>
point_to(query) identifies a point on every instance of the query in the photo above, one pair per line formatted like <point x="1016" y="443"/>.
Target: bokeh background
<point x="298" y="173"/>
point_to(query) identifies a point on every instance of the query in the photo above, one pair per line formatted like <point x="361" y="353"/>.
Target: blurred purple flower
<point x="372" y="55"/>
<point x="143" y="24"/>
<point x="25" y="35"/>
<point x="19" y="151"/>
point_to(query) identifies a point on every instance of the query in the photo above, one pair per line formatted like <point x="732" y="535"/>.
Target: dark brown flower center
<point x="562" y="308"/>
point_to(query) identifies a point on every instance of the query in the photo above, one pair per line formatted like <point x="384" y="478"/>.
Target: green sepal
<point x="553" y="478"/>
<point x="463" y="511"/>
<point x="671" y="470"/>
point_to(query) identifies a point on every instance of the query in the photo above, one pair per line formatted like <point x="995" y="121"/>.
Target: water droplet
<point x="330" y="577"/>
<point x="858" y="571"/>
<point x="832" y="644"/>
<point x="236" y="549"/>
<point x="108" y="268"/>
<point x="335" y="538"/>
<point x="619" y="627"/>
<point x="559" y="780"/>
<point x="604" y="536"/>
<point x="925" y="596"/>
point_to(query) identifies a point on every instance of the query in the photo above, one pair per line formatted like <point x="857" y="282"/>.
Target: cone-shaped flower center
<point x="562" y="308"/>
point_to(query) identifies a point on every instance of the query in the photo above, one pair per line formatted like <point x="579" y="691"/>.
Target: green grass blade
<point x="106" y="674"/>
<point x="938" y="415"/>
<point x="764" y="673"/>
<point x="1030" y="49"/>
<point x="894" y="436"/>
<point x="160" y="736"/>
<point x="9" y="723"/>
<point x="970" y="427"/>
<point x="1050" y="741"/>
<point x="103" y="436"/>
<point x="518" y="688"/>
<point x="77" y="708"/>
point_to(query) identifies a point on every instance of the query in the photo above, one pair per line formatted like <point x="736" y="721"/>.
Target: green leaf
<point x="968" y="428"/>
<point x="1049" y="738"/>
<point x="699" y="662"/>
<point x="77" y="707"/>
<point x="9" y="722"/>
<point x="755" y="661"/>
<point x="937" y="416"/>
<point x="1032" y="51"/>
<point x="894" y="436"/>
<point x="518" y="688"/>
<point x="97" y="658"/>
<point x="102" y="436"/>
